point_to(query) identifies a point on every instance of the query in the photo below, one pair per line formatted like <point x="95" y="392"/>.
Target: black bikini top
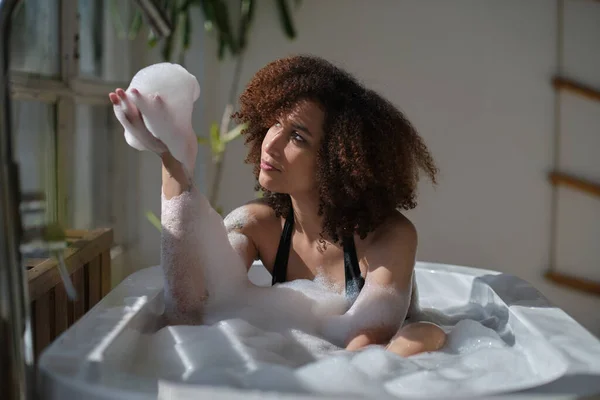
<point x="354" y="280"/>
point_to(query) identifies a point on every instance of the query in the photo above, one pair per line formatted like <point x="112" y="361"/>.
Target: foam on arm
<point x="238" y="224"/>
<point x="377" y="314"/>
<point x="383" y="303"/>
<point x="198" y="261"/>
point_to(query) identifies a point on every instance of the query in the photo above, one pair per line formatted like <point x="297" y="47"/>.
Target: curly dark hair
<point x="370" y="156"/>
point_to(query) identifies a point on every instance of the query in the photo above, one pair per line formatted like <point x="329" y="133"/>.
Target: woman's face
<point x="289" y="150"/>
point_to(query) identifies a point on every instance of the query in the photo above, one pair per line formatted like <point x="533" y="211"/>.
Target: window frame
<point x="65" y="91"/>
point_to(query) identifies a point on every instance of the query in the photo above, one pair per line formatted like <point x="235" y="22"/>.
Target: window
<point x="64" y="62"/>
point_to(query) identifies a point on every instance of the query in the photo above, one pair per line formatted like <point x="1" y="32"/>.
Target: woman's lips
<point x="267" y="167"/>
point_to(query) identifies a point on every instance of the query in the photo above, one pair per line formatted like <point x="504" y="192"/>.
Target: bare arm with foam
<point x="185" y="284"/>
<point x="383" y="303"/>
<point x="198" y="261"/>
<point x="184" y="281"/>
<point x="194" y="246"/>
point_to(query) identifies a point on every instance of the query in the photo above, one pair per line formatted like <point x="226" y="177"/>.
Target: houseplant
<point x="229" y="22"/>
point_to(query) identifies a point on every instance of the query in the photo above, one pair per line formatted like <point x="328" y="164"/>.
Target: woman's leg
<point x="415" y="338"/>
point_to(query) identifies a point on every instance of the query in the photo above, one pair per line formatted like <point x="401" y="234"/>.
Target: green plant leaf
<point x="154" y="220"/>
<point x="216" y="15"/>
<point x="221" y="49"/>
<point x="216" y="144"/>
<point x="251" y="9"/>
<point x="187" y="29"/>
<point x="234" y="133"/>
<point x="209" y="14"/>
<point x="246" y="16"/>
<point x="136" y="25"/>
<point x="167" y="51"/>
<point x="203" y="140"/>
<point x="286" y="19"/>
<point x="116" y="18"/>
<point x="223" y="25"/>
<point x="186" y="5"/>
<point x="152" y="39"/>
<point x="214" y="132"/>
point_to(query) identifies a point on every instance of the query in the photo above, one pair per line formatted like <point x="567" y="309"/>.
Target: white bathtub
<point x="94" y="358"/>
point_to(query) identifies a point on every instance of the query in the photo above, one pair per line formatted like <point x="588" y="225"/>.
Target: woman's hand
<point x="137" y="134"/>
<point x="146" y="118"/>
<point x="176" y="177"/>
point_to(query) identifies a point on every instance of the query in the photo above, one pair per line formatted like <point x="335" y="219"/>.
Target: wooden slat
<point x="33" y="262"/>
<point x="61" y="309"/>
<point x="70" y="312"/>
<point x="76" y="233"/>
<point x="44" y="333"/>
<point x="52" y="312"/>
<point x="44" y="276"/>
<point x="577" y="88"/>
<point x="558" y="178"/>
<point x="580" y="284"/>
<point x="105" y="276"/>
<point x="94" y="282"/>
<point x="79" y="305"/>
<point x="86" y="287"/>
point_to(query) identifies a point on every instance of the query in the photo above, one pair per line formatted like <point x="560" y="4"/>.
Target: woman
<point x="335" y="162"/>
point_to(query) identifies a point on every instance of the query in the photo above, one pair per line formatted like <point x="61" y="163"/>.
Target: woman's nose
<point x="273" y="145"/>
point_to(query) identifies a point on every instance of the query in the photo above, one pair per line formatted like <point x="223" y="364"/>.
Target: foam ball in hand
<point x="167" y="93"/>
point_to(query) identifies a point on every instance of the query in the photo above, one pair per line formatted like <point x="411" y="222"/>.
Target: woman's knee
<point x="418" y="337"/>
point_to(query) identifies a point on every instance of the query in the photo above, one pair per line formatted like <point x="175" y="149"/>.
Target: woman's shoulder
<point x="259" y="223"/>
<point x="397" y="230"/>
<point x="254" y="215"/>
<point x="391" y="254"/>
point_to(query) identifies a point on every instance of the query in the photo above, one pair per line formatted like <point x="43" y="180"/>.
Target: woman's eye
<point x="296" y="137"/>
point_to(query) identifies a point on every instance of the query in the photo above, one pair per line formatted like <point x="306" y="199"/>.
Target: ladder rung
<point x="580" y="284"/>
<point x="560" y="179"/>
<point x="575" y="87"/>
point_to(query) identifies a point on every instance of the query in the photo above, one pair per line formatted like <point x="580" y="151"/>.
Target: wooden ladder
<point x="558" y="178"/>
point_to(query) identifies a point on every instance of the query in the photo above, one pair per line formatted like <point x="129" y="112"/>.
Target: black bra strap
<point x="283" y="252"/>
<point x="354" y="280"/>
